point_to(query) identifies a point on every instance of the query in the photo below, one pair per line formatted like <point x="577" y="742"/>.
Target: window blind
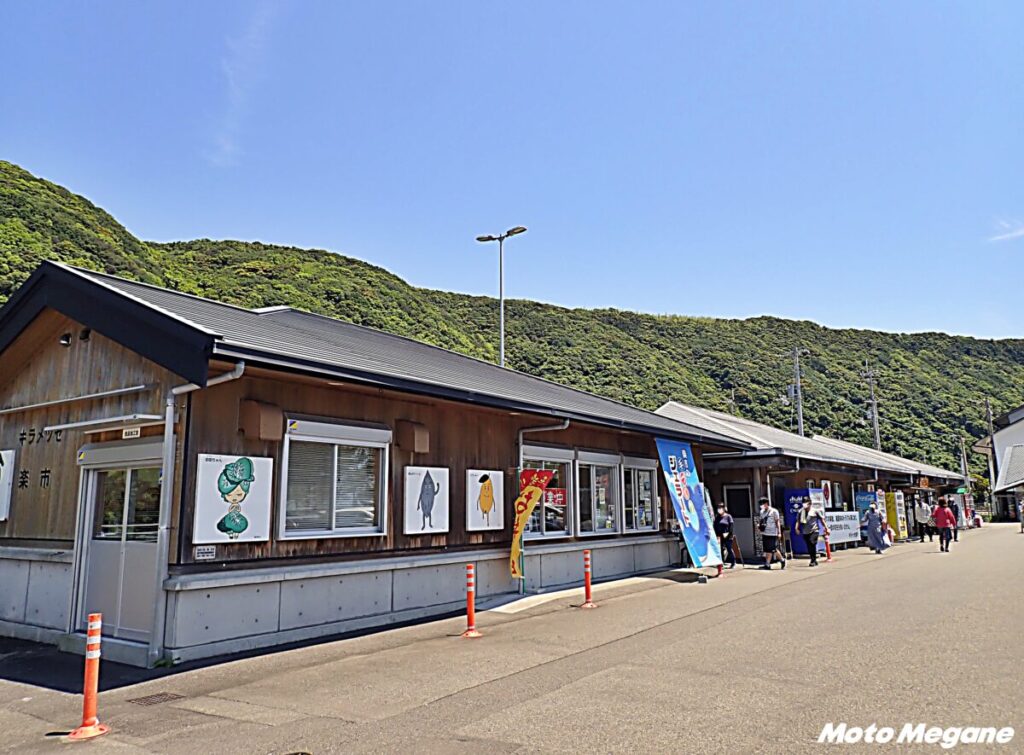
<point x="310" y="488"/>
<point x="356" y="485"/>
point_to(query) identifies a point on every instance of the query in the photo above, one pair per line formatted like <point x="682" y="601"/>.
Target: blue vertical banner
<point x="692" y="510"/>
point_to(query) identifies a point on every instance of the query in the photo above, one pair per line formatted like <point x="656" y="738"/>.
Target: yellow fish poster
<point x="485" y="500"/>
<point x="531" y="487"/>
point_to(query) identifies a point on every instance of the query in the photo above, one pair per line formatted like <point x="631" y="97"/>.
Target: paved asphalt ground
<point x="752" y="662"/>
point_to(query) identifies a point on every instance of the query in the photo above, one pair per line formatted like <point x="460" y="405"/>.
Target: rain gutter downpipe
<point x="156" y="638"/>
<point x="564" y="424"/>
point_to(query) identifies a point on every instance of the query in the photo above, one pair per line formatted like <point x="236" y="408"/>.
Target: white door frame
<point x="92" y="458"/>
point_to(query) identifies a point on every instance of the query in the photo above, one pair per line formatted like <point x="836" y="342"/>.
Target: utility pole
<point x="870" y="375"/>
<point x="798" y="389"/>
<point x="991" y="457"/>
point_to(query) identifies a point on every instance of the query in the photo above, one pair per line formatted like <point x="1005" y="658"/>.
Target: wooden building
<point x="779" y="461"/>
<point x="215" y="479"/>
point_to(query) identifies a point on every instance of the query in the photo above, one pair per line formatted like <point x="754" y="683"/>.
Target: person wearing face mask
<point x="770" y="524"/>
<point x="724" y="529"/>
<point x="873" y="522"/>
<point x="810" y="522"/>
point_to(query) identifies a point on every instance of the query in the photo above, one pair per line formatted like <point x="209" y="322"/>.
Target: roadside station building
<point x="1008" y="461"/>
<point x="781" y="460"/>
<point x="214" y="479"/>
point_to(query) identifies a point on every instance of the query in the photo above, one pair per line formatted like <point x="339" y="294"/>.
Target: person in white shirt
<point x="770" y="524"/>
<point x="924" y="515"/>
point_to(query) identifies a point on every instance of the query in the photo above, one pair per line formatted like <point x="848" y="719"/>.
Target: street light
<point x="501" y="279"/>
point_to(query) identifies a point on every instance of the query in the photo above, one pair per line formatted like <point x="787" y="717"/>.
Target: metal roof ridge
<point x="492" y="365"/>
<point x="90" y="276"/>
<point x="166" y="289"/>
<point x="702" y="413"/>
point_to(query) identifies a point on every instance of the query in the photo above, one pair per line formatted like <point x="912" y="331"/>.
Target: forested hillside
<point x="931" y="386"/>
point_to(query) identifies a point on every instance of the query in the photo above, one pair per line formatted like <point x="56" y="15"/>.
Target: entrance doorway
<point x="739" y="504"/>
<point x="120" y="555"/>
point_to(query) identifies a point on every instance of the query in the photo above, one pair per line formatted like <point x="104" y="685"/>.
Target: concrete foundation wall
<point x="35" y="591"/>
<point x="210" y="615"/>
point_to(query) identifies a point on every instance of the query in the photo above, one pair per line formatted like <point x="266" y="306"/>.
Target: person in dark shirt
<point x="810" y="524"/>
<point x="724" y="529"/>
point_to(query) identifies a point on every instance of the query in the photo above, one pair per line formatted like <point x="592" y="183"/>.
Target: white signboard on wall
<point x="6" y="482"/>
<point x="233" y="498"/>
<point x="426" y="500"/>
<point x="844" y="526"/>
<point x="485" y="500"/>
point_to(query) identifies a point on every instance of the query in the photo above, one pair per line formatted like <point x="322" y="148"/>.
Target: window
<point x="640" y="498"/>
<point x="335" y="480"/>
<point x="551" y="516"/>
<point x="599" y="496"/>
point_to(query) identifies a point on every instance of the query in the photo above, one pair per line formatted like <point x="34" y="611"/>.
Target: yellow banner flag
<point x="531" y="487"/>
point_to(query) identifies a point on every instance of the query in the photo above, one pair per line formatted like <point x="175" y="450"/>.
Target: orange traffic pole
<point x="828" y="549"/>
<point x="587" y="599"/>
<point x="470" y="603"/>
<point x="91" y="726"/>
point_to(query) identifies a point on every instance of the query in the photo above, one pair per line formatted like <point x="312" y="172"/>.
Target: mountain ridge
<point x="932" y="385"/>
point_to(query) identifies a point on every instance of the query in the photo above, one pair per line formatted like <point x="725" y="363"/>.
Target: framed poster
<point x="826" y="491"/>
<point x="426" y="500"/>
<point x="6" y="482"/>
<point x="485" y="500"/>
<point x="233" y="499"/>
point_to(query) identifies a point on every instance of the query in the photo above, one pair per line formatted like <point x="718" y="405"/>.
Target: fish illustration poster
<point x="485" y="500"/>
<point x="687" y="493"/>
<point x="232" y="499"/>
<point x="426" y="500"/>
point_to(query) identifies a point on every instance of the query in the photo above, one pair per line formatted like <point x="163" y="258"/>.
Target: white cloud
<point x="240" y="66"/>
<point x="1007" y="230"/>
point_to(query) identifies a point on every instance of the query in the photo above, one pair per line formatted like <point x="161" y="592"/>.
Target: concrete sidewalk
<point x="423" y="688"/>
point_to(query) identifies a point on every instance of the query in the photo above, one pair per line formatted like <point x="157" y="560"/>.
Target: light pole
<point x="501" y="280"/>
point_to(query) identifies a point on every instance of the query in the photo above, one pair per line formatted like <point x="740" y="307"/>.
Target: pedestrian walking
<point x="810" y="522"/>
<point x="724" y="529"/>
<point x="770" y="525"/>
<point x="924" y="513"/>
<point x="873" y="521"/>
<point x="954" y="507"/>
<point x="944" y="523"/>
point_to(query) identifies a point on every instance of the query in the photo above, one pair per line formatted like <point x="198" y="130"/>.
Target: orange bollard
<point x="828" y="550"/>
<point x="470" y="603"/>
<point x="587" y="601"/>
<point x="91" y="726"/>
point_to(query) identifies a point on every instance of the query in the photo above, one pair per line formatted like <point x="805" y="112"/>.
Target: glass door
<point x="121" y="556"/>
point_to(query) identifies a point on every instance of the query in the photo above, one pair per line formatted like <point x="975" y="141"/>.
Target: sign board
<point x="902" y="530"/>
<point x="845" y="526"/>
<point x="233" y="495"/>
<point x="795" y="498"/>
<point x="205" y="553"/>
<point x="695" y="521"/>
<point x="426" y="500"/>
<point x="130" y="433"/>
<point x="485" y="500"/>
<point x="896" y="515"/>
<point x="826" y="492"/>
<point x="6" y="482"/>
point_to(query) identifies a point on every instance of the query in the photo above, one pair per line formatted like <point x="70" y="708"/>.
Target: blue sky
<point x="854" y="163"/>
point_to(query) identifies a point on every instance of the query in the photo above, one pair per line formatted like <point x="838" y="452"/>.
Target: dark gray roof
<point x="768" y="439"/>
<point x="293" y="339"/>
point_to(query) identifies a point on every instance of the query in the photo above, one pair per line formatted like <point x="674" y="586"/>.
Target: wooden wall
<point x="462" y="436"/>
<point x="36" y="368"/>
